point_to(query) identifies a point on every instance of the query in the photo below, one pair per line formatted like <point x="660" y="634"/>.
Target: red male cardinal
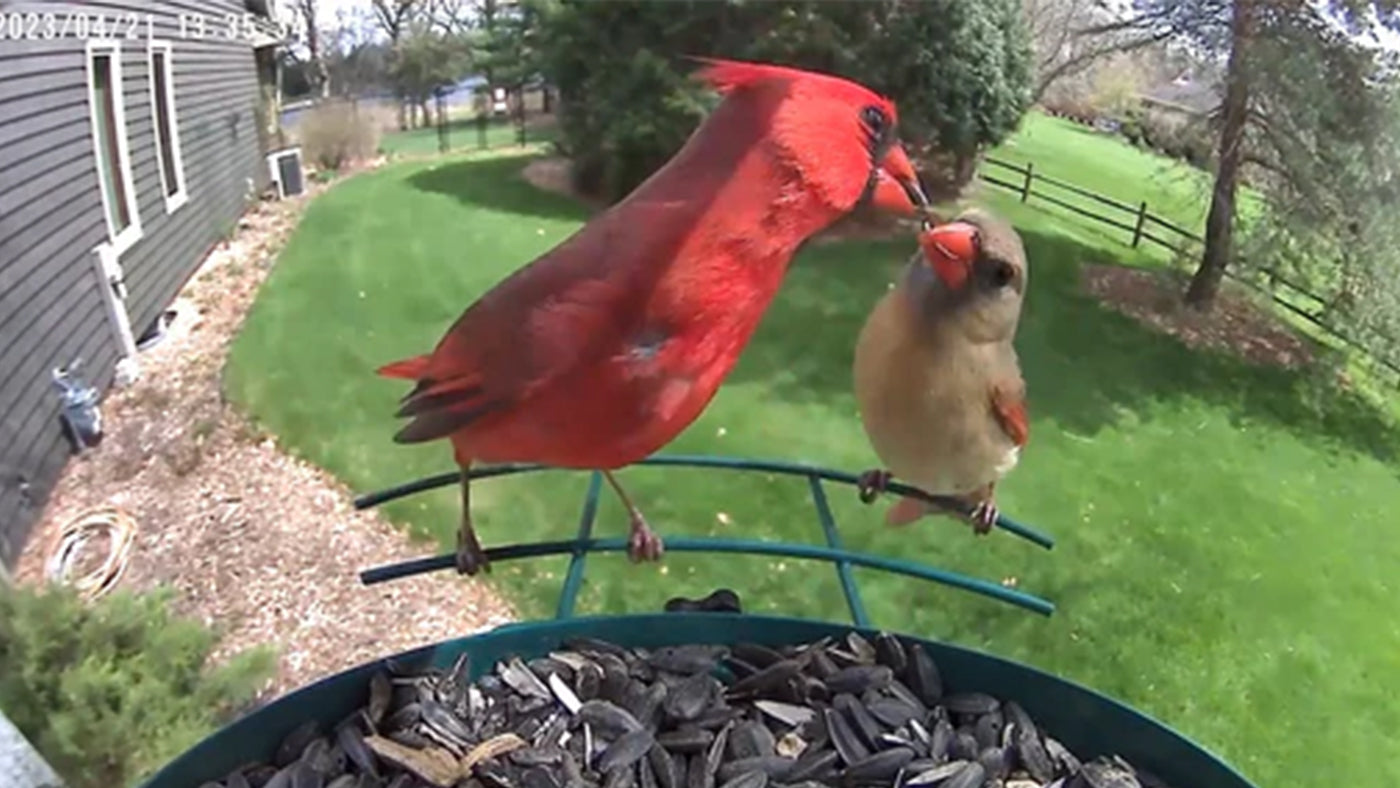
<point x="602" y="350"/>
<point x="936" y="377"/>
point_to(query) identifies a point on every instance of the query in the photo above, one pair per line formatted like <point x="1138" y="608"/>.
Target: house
<point x="1182" y="100"/>
<point x="131" y="139"/>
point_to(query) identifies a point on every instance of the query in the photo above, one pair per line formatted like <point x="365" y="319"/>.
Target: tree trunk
<point x="1220" y="222"/>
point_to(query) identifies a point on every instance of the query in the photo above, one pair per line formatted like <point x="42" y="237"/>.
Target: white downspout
<point x="113" y="292"/>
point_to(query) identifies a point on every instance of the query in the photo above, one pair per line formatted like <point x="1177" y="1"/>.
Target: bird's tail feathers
<point x="408" y="369"/>
<point x="906" y="510"/>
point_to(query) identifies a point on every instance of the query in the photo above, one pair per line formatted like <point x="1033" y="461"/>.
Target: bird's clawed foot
<point x="470" y="557"/>
<point x="872" y="483"/>
<point x="983" y="516"/>
<point x="643" y="544"/>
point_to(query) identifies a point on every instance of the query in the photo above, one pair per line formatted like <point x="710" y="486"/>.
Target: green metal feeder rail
<point x="833" y="552"/>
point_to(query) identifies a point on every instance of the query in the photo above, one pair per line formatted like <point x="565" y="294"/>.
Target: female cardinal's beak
<point x="897" y="188"/>
<point x="951" y="249"/>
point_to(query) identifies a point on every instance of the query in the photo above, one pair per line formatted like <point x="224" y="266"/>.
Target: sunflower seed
<point x="879" y="767"/>
<point x="786" y="713"/>
<point x="971" y="775"/>
<point x="844" y="739"/>
<point x="889" y="651"/>
<point x="936" y="774"/>
<point x="922" y="676"/>
<point x="814" y="765"/>
<point x="971" y="703"/>
<point x="690" y="698"/>
<point x="771" y="765"/>
<point x="565" y="695"/>
<point x="754" y="779"/>
<point x="848" y="712"/>
<point x="859" y="678"/>
<point x="626" y="750"/>
<point x="608" y="717"/>
<point x="750" y="739"/>
<point x="686" y="740"/>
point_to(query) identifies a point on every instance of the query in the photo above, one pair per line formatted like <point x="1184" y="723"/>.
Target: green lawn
<point x="1222" y="559"/>
<point x="1174" y="191"/>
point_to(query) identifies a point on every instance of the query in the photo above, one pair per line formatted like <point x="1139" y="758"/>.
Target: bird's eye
<point x="1002" y="274"/>
<point x="874" y="120"/>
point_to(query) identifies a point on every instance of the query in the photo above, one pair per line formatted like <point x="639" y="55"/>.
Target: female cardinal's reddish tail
<point x="936" y="376"/>
<point x="602" y="350"/>
<point x="408" y="369"/>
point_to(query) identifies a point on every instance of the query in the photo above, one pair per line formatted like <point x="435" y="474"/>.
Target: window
<point x="108" y="110"/>
<point x="166" y="126"/>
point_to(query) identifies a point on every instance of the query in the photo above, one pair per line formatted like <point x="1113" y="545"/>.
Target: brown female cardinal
<point x="602" y="350"/>
<point x="936" y="377"/>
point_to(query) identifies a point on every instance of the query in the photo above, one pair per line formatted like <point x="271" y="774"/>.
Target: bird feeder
<point x="1090" y="724"/>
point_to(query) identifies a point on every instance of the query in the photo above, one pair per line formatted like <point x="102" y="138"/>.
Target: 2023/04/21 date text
<point x="20" y="24"/>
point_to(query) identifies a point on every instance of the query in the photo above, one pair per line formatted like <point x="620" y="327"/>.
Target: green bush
<point x="1133" y="128"/>
<point x="109" y="692"/>
<point x="959" y="71"/>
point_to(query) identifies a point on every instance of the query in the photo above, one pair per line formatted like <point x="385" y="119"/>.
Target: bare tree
<point x="451" y="16"/>
<point x="1304" y="100"/>
<point x="394" y="18"/>
<point x="1071" y="36"/>
<point x="320" y="76"/>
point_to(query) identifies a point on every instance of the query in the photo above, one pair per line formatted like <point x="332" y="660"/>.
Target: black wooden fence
<point x="1141" y="225"/>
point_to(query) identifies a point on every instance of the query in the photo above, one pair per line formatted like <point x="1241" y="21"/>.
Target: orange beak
<point x="951" y="249"/>
<point x="897" y="188"/>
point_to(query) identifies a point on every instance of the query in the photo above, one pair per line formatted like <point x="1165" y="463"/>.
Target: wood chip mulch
<point x="262" y="545"/>
<point x="1237" y="325"/>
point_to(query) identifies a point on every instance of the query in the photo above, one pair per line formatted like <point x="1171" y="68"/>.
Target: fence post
<point x="1141" y="220"/>
<point x="481" y="130"/>
<point x="1026" y="189"/>
<point x="440" y="104"/>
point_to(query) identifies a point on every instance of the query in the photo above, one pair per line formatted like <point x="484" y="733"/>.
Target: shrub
<point x="111" y="691"/>
<point x="961" y="71"/>
<point x="337" y="132"/>
<point x="1187" y="140"/>
<point x="1135" y="129"/>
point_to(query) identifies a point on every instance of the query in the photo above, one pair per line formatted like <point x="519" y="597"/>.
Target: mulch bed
<point x="1237" y="325"/>
<point x="263" y="545"/>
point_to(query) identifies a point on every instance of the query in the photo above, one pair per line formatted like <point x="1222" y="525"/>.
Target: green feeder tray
<point x="1088" y="723"/>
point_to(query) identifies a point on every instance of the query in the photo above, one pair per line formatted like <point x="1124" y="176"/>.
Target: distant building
<point x="1181" y="100"/>
<point x="131" y="137"/>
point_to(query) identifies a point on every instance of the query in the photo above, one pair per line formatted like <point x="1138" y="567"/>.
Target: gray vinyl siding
<point x="51" y="217"/>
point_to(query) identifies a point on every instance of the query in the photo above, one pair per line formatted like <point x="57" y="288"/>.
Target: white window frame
<point x="182" y="193"/>
<point x="120" y="241"/>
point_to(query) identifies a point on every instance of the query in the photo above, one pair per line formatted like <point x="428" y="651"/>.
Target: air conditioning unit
<point x="285" y="168"/>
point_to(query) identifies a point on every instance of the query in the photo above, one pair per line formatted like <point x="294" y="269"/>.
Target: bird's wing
<point x="1009" y="408"/>
<point x="571" y="307"/>
<point x="587" y="299"/>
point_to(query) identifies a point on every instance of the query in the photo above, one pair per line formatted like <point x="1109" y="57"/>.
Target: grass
<point x="1222" y="560"/>
<point x="1174" y="191"/>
